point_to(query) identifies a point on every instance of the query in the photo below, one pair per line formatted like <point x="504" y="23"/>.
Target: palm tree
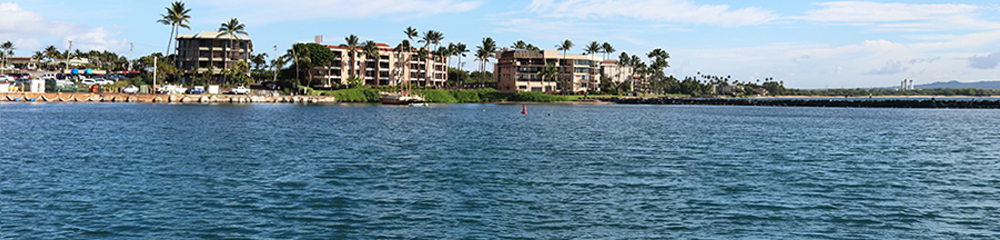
<point x="551" y="71"/>
<point x="233" y="29"/>
<point x="410" y="33"/>
<point x="592" y="49"/>
<point x="442" y="54"/>
<point x="459" y="51"/>
<point x="352" y="43"/>
<point x="625" y="60"/>
<point x="484" y="52"/>
<point x="403" y="49"/>
<point x="177" y="17"/>
<point x="7" y="50"/>
<point x="423" y="55"/>
<point x="607" y="49"/>
<point x="432" y="37"/>
<point x="371" y="53"/>
<point x="52" y="52"/>
<point x="565" y="46"/>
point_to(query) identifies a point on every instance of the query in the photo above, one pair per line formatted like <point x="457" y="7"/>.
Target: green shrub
<point x="437" y="96"/>
<point x="466" y="96"/>
<point x="356" y="95"/>
<point x="535" y="97"/>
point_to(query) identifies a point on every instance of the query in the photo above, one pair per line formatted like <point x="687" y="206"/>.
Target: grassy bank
<point x="445" y="96"/>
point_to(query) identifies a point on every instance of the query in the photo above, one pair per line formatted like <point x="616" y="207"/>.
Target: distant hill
<point x="957" y="84"/>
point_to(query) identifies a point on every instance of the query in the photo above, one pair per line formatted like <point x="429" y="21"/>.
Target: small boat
<point x="401" y="98"/>
<point x="419" y="105"/>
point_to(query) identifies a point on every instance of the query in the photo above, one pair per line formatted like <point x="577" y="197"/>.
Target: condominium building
<point x="618" y="74"/>
<point x="208" y="48"/>
<point x="519" y="70"/>
<point x="390" y="68"/>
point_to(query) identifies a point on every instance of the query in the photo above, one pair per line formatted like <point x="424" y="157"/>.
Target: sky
<point x="811" y="45"/>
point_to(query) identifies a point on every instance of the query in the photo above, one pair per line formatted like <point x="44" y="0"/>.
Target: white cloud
<point x="985" y="62"/>
<point x="891" y="67"/>
<point x="266" y="11"/>
<point x="29" y="31"/>
<point x="901" y="16"/>
<point x="678" y="11"/>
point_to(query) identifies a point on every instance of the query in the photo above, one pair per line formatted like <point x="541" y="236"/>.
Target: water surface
<point x="151" y="171"/>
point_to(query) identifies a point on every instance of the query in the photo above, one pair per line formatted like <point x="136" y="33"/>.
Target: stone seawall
<point x="158" y="98"/>
<point x="895" y="103"/>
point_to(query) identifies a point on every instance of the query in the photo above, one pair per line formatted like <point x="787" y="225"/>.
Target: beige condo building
<point x="518" y="70"/>
<point x="391" y="67"/>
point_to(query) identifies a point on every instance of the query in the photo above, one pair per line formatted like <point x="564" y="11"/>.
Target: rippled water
<point x="152" y="171"/>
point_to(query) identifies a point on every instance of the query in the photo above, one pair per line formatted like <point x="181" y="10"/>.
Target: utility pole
<point x="154" y="75"/>
<point x="131" y="47"/>
<point x="274" y="66"/>
<point x="70" y="49"/>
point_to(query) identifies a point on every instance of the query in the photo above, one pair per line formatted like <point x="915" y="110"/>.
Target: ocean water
<point x="485" y="171"/>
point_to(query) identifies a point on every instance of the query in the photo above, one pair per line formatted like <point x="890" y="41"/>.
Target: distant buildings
<point x="202" y="50"/>
<point x="904" y="85"/>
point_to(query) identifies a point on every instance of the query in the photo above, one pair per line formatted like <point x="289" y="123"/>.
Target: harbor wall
<point x="158" y="98"/>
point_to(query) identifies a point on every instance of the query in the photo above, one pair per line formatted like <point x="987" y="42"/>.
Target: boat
<point x="401" y="98"/>
<point x="419" y="105"/>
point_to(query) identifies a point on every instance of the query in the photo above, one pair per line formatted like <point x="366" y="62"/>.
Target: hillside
<point x="957" y="84"/>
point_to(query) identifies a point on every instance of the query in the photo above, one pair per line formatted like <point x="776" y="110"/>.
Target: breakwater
<point x="159" y="98"/>
<point x="858" y="103"/>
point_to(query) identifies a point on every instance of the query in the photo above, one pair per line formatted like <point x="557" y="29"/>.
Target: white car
<point x="6" y="78"/>
<point x="130" y="89"/>
<point x="101" y="81"/>
<point x="239" y="90"/>
<point x="88" y="81"/>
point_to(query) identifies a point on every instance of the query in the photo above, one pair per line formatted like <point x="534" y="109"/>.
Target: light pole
<point x="275" y="65"/>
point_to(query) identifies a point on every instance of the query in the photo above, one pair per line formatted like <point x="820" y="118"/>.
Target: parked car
<point x="196" y="90"/>
<point x="88" y="81"/>
<point x="5" y="78"/>
<point x="130" y="89"/>
<point x="101" y="81"/>
<point x="239" y="90"/>
<point x="171" y="89"/>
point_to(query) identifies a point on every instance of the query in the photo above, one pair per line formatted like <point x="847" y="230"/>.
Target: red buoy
<point x="524" y="109"/>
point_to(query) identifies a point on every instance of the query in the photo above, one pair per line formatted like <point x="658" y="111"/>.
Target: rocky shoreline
<point x="785" y="102"/>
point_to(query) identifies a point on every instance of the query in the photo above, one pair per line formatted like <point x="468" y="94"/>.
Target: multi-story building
<point x="617" y="74"/>
<point x="208" y="48"/>
<point x="519" y="70"/>
<point x="390" y="68"/>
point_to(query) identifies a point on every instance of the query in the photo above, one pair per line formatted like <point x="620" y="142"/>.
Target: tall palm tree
<point x="607" y="49"/>
<point x="177" y="17"/>
<point x="352" y="43"/>
<point x="371" y="53"/>
<point x="624" y="60"/>
<point x="459" y="51"/>
<point x="592" y="49"/>
<point x="432" y="37"/>
<point x="484" y="52"/>
<point x="551" y="71"/>
<point x="410" y="33"/>
<point x="403" y="53"/>
<point x="233" y="29"/>
<point x="52" y="52"/>
<point x="6" y="49"/>
<point x="565" y="46"/>
<point x="442" y="54"/>
<point x="422" y="55"/>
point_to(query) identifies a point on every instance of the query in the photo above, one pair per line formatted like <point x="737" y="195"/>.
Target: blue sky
<point x="805" y="44"/>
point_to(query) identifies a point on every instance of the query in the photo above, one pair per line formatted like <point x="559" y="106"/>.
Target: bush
<point x="535" y="97"/>
<point x="437" y="96"/>
<point x="355" y="95"/>
<point x="466" y="96"/>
